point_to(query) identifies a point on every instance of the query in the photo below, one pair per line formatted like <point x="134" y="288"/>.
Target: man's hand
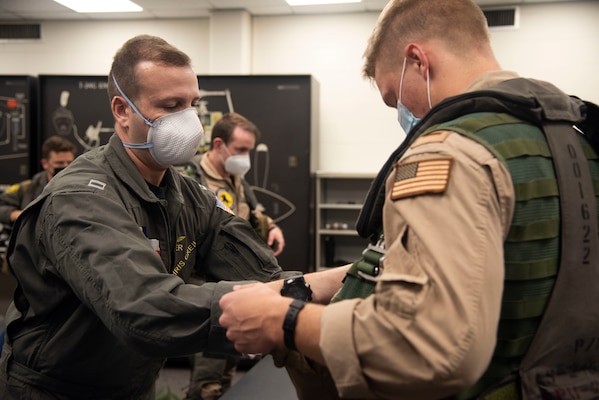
<point x="275" y="235"/>
<point x="14" y="215"/>
<point x="253" y="315"/>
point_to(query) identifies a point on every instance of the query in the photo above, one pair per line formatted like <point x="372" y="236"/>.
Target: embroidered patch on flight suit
<point x="420" y="177"/>
<point x="225" y="197"/>
<point x="435" y="137"/>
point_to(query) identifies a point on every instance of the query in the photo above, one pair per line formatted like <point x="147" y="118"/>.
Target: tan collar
<point x="489" y="79"/>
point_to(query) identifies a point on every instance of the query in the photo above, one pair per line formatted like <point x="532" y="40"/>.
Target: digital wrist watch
<point x="297" y="287"/>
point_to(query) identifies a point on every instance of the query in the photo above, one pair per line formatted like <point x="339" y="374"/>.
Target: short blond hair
<point x="459" y="24"/>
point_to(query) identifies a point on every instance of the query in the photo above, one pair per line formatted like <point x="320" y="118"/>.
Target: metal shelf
<point x="339" y="200"/>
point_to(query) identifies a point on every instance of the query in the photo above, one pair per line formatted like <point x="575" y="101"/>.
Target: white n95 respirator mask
<point x="173" y="139"/>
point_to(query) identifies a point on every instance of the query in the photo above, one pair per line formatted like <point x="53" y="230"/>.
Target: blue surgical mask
<point x="406" y="119"/>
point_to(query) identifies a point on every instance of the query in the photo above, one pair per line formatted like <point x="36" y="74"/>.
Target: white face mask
<point x="406" y="119"/>
<point x="237" y="165"/>
<point x="173" y="139"/>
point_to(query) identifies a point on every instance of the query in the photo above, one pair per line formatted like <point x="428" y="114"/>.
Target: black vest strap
<point x="564" y="340"/>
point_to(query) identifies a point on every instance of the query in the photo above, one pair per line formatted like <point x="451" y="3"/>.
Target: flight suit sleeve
<point x="429" y="329"/>
<point x="235" y="253"/>
<point x="91" y="242"/>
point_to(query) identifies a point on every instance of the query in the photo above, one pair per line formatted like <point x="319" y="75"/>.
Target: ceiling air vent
<point x="20" y="31"/>
<point x="502" y="17"/>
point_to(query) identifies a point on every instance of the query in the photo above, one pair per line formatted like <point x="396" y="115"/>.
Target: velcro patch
<point x="96" y="184"/>
<point x="435" y="137"/>
<point x="420" y="177"/>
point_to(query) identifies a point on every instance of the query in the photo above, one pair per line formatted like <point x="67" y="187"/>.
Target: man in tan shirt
<point x="429" y="328"/>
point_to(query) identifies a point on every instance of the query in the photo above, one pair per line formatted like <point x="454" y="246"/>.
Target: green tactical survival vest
<point x="508" y="122"/>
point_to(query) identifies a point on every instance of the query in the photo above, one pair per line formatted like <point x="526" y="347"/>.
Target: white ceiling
<point x="44" y="10"/>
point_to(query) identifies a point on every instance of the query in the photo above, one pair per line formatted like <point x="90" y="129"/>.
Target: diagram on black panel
<point x="13" y="129"/>
<point x="262" y="159"/>
<point x="63" y="121"/>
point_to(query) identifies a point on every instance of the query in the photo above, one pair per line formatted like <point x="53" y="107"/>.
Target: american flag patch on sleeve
<point x="420" y="177"/>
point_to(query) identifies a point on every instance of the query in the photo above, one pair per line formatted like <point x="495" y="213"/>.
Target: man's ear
<point x="119" y="110"/>
<point x="416" y="53"/>
<point x="217" y="143"/>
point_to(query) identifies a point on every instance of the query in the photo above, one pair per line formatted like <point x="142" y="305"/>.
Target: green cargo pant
<point x="210" y="377"/>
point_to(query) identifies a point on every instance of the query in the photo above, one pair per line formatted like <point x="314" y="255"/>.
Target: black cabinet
<point x="284" y="108"/>
<point x="76" y="108"/>
<point x="17" y="131"/>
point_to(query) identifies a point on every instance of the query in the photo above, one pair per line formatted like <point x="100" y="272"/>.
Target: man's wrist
<point x="290" y="323"/>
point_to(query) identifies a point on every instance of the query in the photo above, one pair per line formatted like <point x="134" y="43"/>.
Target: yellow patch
<point x="13" y="188"/>
<point x="421" y="177"/>
<point x="223" y="206"/>
<point x="435" y="137"/>
<point x="225" y="197"/>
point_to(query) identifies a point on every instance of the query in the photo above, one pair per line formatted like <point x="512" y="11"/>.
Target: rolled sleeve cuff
<point x="339" y="350"/>
<point x="217" y="339"/>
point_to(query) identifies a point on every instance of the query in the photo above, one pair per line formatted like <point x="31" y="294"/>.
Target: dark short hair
<point x="136" y="50"/>
<point x="57" y="144"/>
<point x="224" y="127"/>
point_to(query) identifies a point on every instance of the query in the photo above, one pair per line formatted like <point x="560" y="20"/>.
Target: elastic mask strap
<point x="145" y="145"/>
<point x="147" y="121"/>
<point x="403" y="71"/>
<point x="428" y="88"/>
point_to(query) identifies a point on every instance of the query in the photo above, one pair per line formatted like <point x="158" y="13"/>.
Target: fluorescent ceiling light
<point x="318" y="2"/>
<point x="100" y="6"/>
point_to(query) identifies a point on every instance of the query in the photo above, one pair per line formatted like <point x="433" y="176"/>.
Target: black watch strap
<point x="290" y="322"/>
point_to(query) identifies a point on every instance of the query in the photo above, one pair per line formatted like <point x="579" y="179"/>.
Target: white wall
<point x="87" y="48"/>
<point x="357" y="131"/>
<point x="555" y="41"/>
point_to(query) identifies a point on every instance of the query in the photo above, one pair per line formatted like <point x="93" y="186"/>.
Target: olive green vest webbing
<point x="361" y="277"/>
<point x="532" y="246"/>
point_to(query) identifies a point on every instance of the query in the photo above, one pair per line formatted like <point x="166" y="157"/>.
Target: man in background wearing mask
<point x="222" y="170"/>
<point x="57" y="153"/>
<point x="104" y="255"/>
<point x="452" y="299"/>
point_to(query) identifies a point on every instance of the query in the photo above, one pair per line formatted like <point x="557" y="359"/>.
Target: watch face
<point x="298" y="291"/>
<point x="297" y="288"/>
